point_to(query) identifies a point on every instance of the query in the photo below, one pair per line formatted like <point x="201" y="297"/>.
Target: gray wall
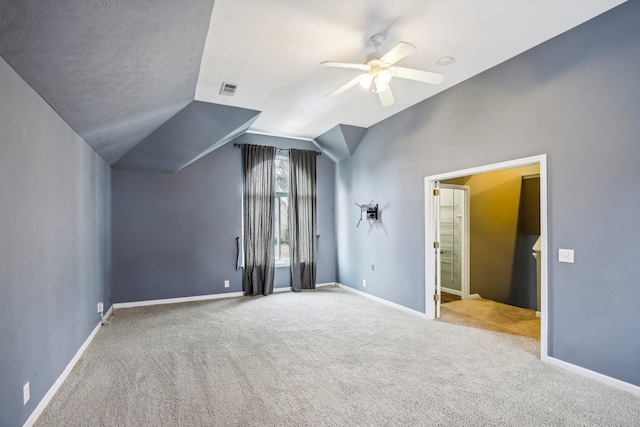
<point x="174" y="235"/>
<point x="574" y="98"/>
<point x="54" y="244"/>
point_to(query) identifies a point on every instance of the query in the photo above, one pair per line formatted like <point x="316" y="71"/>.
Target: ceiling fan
<point x="379" y="70"/>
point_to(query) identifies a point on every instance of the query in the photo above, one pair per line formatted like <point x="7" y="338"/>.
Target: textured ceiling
<point x="117" y="70"/>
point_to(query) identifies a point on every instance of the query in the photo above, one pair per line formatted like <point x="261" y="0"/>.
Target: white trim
<point x="451" y="291"/>
<point x="475" y="296"/>
<point x="176" y="300"/>
<point x="610" y="381"/>
<point x="133" y="304"/>
<point x="63" y="376"/>
<point x="382" y="301"/>
<point x="429" y="183"/>
<point x="318" y="285"/>
<point x="275" y="135"/>
<point x="430" y="236"/>
<point x="509" y="164"/>
<point x="107" y="314"/>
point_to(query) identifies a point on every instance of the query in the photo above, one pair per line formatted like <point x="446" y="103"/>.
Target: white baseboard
<point x="383" y="301"/>
<point x="319" y="285"/>
<point x="176" y="300"/>
<point x="610" y="381"/>
<point x="63" y="376"/>
<point x="288" y="288"/>
<point x="474" y="296"/>
<point x="538" y="314"/>
<point x="107" y="315"/>
<point x="133" y="304"/>
<point x="451" y="291"/>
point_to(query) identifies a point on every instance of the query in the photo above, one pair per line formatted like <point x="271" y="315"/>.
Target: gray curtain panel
<point x="302" y="219"/>
<point x="258" y="204"/>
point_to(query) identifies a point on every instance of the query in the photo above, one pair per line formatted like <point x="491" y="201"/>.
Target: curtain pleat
<point x="258" y="211"/>
<point x="302" y="219"/>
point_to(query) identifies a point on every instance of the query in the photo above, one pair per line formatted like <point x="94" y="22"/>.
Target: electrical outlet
<point x="100" y="307"/>
<point x="565" y="255"/>
<point x="226" y="283"/>
<point x="364" y="283"/>
<point x="26" y="394"/>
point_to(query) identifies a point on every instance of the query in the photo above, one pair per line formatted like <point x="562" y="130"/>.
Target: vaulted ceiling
<point x="134" y="77"/>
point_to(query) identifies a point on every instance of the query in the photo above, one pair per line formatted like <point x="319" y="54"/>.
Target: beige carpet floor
<point x="319" y="358"/>
<point x="492" y="315"/>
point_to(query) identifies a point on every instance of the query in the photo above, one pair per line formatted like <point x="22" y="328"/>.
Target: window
<point x="281" y="235"/>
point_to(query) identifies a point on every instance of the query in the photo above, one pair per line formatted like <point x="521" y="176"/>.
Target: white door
<point x="436" y="246"/>
<point x="454" y="239"/>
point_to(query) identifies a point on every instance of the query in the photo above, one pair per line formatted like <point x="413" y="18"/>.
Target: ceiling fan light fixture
<point x="380" y="85"/>
<point x="378" y="71"/>
<point x="366" y="80"/>
<point x="384" y="76"/>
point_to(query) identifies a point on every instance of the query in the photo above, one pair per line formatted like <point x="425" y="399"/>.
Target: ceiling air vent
<point x="228" y="89"/>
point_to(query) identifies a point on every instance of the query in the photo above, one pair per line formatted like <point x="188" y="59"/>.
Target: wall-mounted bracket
<point x="368" y="212"/>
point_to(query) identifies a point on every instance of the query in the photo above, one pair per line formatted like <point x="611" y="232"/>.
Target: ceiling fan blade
<point x="344" y="88"/>
<point x="419" y="75"/>
<point x="401" y="50"/>
<point x="386" y="97"/>
<point x="344" y="65"/>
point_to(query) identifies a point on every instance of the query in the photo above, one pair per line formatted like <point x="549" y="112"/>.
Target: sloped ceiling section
<point x="194" y="132"/>
<point x="340" y="142"/>
<point x="115" y="70"/>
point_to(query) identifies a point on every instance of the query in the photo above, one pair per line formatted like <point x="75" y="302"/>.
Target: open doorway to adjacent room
<point x="486" y="247"/>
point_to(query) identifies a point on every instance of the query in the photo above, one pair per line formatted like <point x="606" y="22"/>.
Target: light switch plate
<point x="565" y="255"/>
<point x="26" y="394"/>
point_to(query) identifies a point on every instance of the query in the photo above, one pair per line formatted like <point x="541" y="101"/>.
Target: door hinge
<point x="436" y="192"/>
<point x="436" y="245"/>
<point x="436" y="297"/>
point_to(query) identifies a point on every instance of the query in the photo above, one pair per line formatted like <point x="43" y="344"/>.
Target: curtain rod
<point x="278" y="149"/>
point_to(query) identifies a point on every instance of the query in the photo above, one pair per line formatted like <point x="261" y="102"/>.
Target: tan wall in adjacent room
<point x="494" y="210"/>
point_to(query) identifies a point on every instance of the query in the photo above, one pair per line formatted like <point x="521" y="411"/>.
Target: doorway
<point x="436" y="233"/>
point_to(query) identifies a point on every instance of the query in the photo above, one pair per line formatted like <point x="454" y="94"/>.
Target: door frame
<point x="430" y="232"/>
<point x="464" y="262"/>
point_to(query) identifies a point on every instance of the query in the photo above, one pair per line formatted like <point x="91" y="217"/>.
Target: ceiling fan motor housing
<point x="377" y="40"/>
<point x="373" y="56"/>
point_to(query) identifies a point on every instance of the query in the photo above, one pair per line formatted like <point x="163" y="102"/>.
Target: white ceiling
<point x="272" y="51"/>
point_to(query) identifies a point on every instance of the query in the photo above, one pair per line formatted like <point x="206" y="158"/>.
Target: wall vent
<point x="228" y="89"/>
